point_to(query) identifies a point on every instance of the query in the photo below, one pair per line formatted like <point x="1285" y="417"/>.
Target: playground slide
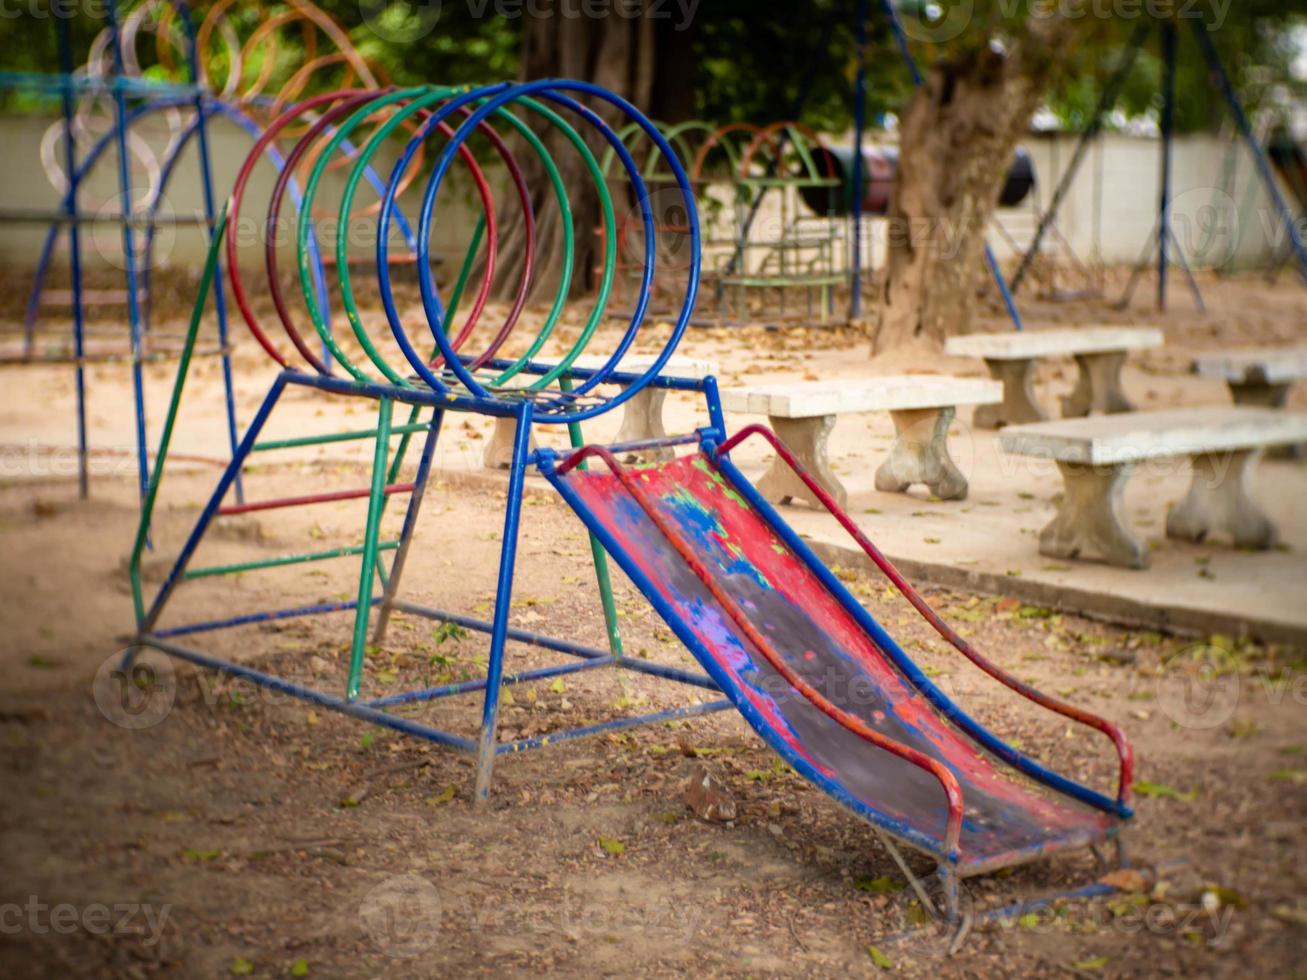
<point x="786" y="600"/>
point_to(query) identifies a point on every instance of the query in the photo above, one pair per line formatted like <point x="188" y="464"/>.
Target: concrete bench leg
<point x="920" y="455"/>
<point x="642" y="418"/>
<point x="1098" y="388"/>
<point x="1089" y="523"/>
<point x="1019" y="404"/>
<point x="807" y="440"/>
<point x="1266" y="395"/>
<point x="1220" y="499"/>
<point x="499" y="450"/>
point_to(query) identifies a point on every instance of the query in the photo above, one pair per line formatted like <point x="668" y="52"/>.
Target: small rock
<point x="707" y="796"/>
<point x="318" y="665"/>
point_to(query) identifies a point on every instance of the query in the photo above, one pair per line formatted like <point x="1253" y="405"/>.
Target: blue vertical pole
<point x="210" y="213"/>
<point x="503" y="601"/>
<point x="901" y="39"/>
<point x="1259" y="157"/>
<point x="859" y="124"/>
<point x="1168" y="127"/>
<point x="71" y="204"/>
<point x="129" y="241"/>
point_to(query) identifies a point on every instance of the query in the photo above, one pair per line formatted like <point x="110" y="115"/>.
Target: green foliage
<point x="754" y="59"/>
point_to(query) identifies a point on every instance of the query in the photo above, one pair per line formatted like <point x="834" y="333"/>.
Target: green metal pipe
<point x="376" y="503"/>
<point x="165" y="440"/>
<point x="263" y="447"/>
<point x="308" y="556"/>
<point x="597" y="553"/>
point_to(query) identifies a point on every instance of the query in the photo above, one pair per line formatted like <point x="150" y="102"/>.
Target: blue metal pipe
<point x="670" y="673"/>
<point x="463" y="687"/>
<point x="1168" y="128"/>
<point x="859" y="124"/>
<point x="978" y="733"/>
<point x="513" y="633"/>
<point x="354" y="710"/>
<point x="1246" y="131"/>
<point x="129" y="249"/>
<point x="615" y="725"/>
<point x="74" y="260"/>
<point x="258" y="617"/>
<point x="210" y="214"/>
<point x="503" y="601"/>
<point x="215" y="501"/>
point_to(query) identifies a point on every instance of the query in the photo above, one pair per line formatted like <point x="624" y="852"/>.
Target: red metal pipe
<point x="234" y="210"/>
<point x="315" y="498"/>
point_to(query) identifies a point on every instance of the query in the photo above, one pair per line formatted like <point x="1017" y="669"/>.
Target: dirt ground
<point x="246" y="833"/>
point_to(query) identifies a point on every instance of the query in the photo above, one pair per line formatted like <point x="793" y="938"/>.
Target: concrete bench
<point x="1096" y="455"/>
<point x="1099" y="352"/>
<point x="642" y="414"/>
<point x="922" y="407"/>
<point x="1258" y="377"/>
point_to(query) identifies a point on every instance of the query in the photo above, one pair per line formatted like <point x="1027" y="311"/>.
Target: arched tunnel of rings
<point x="452" y="343"/>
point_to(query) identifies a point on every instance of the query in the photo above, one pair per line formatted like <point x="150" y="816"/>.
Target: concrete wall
<point x="1107" y="216"/>
<point x="1110" y="210"/>
<point x="26" y="186"/>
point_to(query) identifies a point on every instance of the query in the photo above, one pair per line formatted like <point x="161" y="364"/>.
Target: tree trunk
<point x="957" y="137"/>
<point x="615" y="52"/>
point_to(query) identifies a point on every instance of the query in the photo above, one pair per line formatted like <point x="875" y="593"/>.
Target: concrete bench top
<point x="806" y="399"/>
<point x="1115" y="439"/>
<point x="1020" y="346"/>
<point x="1272" y="365"/>
<point x="676" y="366"/>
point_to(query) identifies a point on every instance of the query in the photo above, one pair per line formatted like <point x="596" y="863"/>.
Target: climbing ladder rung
<point x="249" y="566"/>
<point x="263" y="447"/>
<point x="316" y="498"/>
